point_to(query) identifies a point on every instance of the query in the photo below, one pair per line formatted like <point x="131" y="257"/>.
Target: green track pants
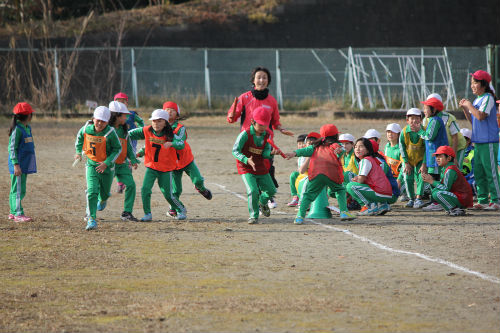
<point x="17" y="193"/>
<point x="314" y="188"/>
<point x="98" y="187"/>
<point x="165" y="184"/>
<point x="486" y="172"/>
<point x="193" y="172"/>
<point x="123" y="174"/>
<point x="260" y="188"/>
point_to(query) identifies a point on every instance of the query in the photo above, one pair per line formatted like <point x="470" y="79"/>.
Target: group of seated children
<point x="431" y="153"/>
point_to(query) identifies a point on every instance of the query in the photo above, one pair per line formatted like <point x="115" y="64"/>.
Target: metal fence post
<point x="134" y="78"/>
<point x="207" y="80"/>
<point x="279" y="93"/>
<point x="56" y="75"/>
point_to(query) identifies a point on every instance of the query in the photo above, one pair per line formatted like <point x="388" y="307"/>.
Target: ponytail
<point x="326" y="141"/>
<point x="15" y="118"/>
<point x="487" y="88"/>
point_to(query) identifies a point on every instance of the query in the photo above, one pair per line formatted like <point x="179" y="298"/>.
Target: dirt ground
<point x="407" y="271"/>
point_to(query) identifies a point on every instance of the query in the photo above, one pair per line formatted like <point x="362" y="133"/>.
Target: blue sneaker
<point x="373" y="210"/>
<point x="346" y="216"/>
<point x="91" y="224"/>
<point x="181" y="215"/>
<point x="146" y="218"/>
<point x="299" y="220"/>
<point x="101" y="205"/>
<point x="383" y="209"/>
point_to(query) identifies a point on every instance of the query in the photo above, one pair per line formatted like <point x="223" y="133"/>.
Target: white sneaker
<point x="493" y="206"/>
<point x="418" y="203"/>
<point x="433" y="207"/>
<point x="410" y="204"/>
<point x="272" y="204"/>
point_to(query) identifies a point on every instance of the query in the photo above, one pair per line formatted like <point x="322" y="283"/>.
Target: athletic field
<point x="407" y="271"/>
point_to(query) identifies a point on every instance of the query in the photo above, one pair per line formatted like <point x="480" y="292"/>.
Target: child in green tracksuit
<point x="250" y="150"/>
<point x="160" y="160"/>
<point x="185" y="158"/>
<point x="453" y="192"/>
<point x="412" y="149"/>
<point x="293" y="176"/>
<point x="325" y="170"/>
<point x="123" y="172"/>
<point x="101" y="144"/>
<point x="22" y="160"/>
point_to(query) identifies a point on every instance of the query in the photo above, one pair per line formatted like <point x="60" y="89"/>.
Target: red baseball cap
<point x="121" y="95"/>
<point x="328" y="130"/>
<point x="171" y="105"/>
<point x="374" y="145"/>
<point x="315" y="135"/>
<point x="445" y="150"/>
<point x="435" y="103"/>
<point x="23" y="108"/>
<point x="481" y="75"/>
<point x="262" y="116"/>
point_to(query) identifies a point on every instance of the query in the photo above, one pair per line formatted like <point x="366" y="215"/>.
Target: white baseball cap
<point x="393" y="128"/>
<point x="102" y="113"/>
<point x="119" y="107"/>
<point x="414" y="112"/>
<point x="346" y="138"/>
<point x="159" y="114"/>
<point x="434" y="95"/>
<point x="372" y="133"/>
<point x="466" y="132"/>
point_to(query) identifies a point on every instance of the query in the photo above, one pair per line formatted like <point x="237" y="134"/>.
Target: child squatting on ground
<point x="250" y="150"/>
<point x="22" y="159"/>
<point x="160" y="160"/>
<point x="101" y="144"/>
<point x="453" y="192"/>
<point x="324" y="170"/>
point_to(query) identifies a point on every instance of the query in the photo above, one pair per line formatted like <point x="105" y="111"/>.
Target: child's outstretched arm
<point x="130" y="153"/>
<point x="179" y="141"/>
<point x="79" y="143"/>
<point x="136" y="134"/>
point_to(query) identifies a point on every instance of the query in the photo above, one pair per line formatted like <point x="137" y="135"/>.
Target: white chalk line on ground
<point x="383" y="247"/>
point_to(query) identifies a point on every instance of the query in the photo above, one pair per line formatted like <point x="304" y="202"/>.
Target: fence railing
<point x="361" y="78"/>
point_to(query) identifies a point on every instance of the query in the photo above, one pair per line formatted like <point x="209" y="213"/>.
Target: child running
<point x="160" y="160"/>
<point x="453" y="192"/>
<point x="185" y="158"/>
<point x="371" y="185"/>
<point x="324" y="170"/>
<point x="132" y="119"/>
<point x="123" y="172"/>
<point x="250" y="150"/>
<point x="22" y="159"/>
<point x="101" y="144"/>
<point x="301" y="143"/>
<point x="412" y="150"/>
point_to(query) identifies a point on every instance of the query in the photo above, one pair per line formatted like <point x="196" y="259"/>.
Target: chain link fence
<point x="65" y="78"/>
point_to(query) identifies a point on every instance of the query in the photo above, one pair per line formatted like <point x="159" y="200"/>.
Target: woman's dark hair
<point x="368" y="145"/>
<point x="113" y="118"/>
<point x="15" y="117"/>
<point x="261" y="69"/>
<point x="487" y="88"/>
<point x="326" y="141"/>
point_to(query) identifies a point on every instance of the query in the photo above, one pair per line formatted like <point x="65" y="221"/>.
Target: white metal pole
<point x="375" y="75"/>
<point x="422" y="75"/>
<point x="56" y="74"/>
<point x="207" y="81"/>
<point x="134" y="78"/>
<point x="279" y="93"/>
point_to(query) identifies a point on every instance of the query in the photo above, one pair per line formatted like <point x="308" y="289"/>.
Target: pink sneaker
<point x="492" y="206"/>
<point x="478" y="206"/>
<point x="294" y="202"/>
<point x="12" y="216"/>
<point x="22" y="218"/>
